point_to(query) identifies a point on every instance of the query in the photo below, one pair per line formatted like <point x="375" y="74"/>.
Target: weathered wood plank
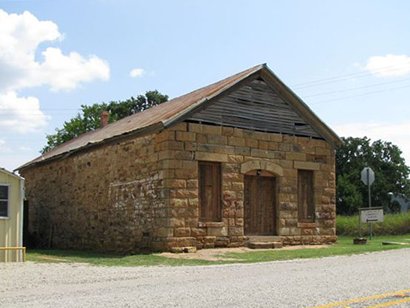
<point x="255" y="106"/>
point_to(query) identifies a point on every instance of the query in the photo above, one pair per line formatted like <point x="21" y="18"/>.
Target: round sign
<point x="367" y="176"/>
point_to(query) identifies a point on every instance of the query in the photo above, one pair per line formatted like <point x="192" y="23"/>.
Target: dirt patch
<point x="218" y="254"/>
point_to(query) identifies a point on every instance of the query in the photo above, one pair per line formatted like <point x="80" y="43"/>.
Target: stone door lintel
<point x="261" y="165"/>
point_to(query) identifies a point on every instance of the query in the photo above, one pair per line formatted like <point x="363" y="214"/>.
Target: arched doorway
<point x="259" y="203"/>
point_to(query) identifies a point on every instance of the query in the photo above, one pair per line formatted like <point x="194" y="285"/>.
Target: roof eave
<point x="156" y="127"/>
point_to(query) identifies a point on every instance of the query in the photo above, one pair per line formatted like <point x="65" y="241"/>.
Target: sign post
<point x="367" y="177"/>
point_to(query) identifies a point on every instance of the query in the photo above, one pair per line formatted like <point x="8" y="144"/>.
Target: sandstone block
<point x="194" y="202"/>
<point x="306" y="231"/>
<point x="242" y="150"/>
<point x="253" y="143"/>
<point x="262" y="153"/>
<point x="235" y="158"/>
<point x="238" y="132"/>
<point x="182" y="126"/>
<point x="169" y="145"/>
<point x="171" y="183"/>
<point x="295" y="156"/>
<point x="286" y="164"/>
<point x="263" y="145"/>
<point x="275" y="137"/>
<point x="185" y="136"/>
<point x="291" y="223"/>
<point x="178" y="203"/>
<point x="212" y="130"/>
<point x="285" y="147"/>
<point x="164" y="232"/>
<point x="236" y="141"/>
<point x="164" y="136"/>
<point x="201" y="139"/>
<point x="183" y="232"/>
<point x="192" y="183"/>
<point x="217" y="157"/>
<point x="195" y="232"/>
<point x="227" y="131"/>
<point x="188" y="249"/>
<point x="221" y="231"/>
<point x="261" y="136"/>
<point x="284" y="231"/>
<point x="221" y="241"/>
<point x="177" y="222"/>
<point x="306" y="165"/>
<point x="189" y="164"/>
<point x="195" y="128"/>
<point x="170" y="164"/>
<point x="237" y="231"/>
<point x="217" y="139"/>
<point x="186" y="173"/>
<point x="237" y="186"/>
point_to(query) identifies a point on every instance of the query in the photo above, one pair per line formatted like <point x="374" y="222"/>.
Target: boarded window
<point x="306" y="196"/>
<point x="210" y="191"/>
<point x="4" y="200"/>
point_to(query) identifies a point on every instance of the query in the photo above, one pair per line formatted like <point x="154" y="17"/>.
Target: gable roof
<point x="178" y="109"/>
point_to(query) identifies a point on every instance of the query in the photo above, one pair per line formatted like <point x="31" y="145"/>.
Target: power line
<point x="359" y="95"/>
<point x="318" y="82"/>
<point x="357" y="88"/>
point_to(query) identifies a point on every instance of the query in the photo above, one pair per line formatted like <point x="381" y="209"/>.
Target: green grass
<point x="395" y="224"/>
<point x="344" y="246"/>
<point x="106" y="259"/>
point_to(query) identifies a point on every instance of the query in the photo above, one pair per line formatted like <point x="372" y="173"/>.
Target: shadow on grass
<point x="107" y="259"/>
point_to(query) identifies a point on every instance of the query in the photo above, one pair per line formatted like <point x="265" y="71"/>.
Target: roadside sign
<point x="367" y="176"/>
<point x="371" y="215"/>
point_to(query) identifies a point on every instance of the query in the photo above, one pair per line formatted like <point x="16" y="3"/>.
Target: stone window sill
<point x="4" y="217"/>
<point x="210" y="224"/>
<point x="307" y="224"/>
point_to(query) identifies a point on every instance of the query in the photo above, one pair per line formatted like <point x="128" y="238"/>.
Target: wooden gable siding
<point x="255" y="106"/>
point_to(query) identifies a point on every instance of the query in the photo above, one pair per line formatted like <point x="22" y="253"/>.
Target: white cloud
<point x="20" y="114"/>
<point x="398" y="133"/>
<point x="137" y="72"/>
<point x="20" y="38"/>
<point x="388" y="66"/>
<point x="65" y="72"/>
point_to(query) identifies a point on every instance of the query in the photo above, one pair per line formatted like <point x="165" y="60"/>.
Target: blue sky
<point x="348" y="60"/>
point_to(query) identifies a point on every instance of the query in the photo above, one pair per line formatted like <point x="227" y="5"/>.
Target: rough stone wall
<point x="108" y="198"/>
<point x="143" y="193"/>
<point x="187" y="143"/>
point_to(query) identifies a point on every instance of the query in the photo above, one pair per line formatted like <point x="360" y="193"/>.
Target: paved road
<point x="300" y="283"/>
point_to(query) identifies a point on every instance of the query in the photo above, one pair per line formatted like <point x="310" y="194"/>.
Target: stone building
<point x="239" y="162"/>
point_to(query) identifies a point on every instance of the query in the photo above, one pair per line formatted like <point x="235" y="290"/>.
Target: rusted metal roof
<point x="166" y="114"/>
<point x="158" y="115"/>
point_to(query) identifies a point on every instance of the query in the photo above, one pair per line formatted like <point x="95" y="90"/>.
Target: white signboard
<point x="371" y="215"/>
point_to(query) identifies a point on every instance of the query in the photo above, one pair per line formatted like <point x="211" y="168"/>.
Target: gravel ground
<point x="299" y="283"/>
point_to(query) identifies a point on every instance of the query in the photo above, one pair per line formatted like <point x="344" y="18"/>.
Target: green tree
<point x="391" y="173"/>
<point x="89" y="117"/>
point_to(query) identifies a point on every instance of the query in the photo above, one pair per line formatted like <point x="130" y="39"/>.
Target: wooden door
<point x="259" y="207"/>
